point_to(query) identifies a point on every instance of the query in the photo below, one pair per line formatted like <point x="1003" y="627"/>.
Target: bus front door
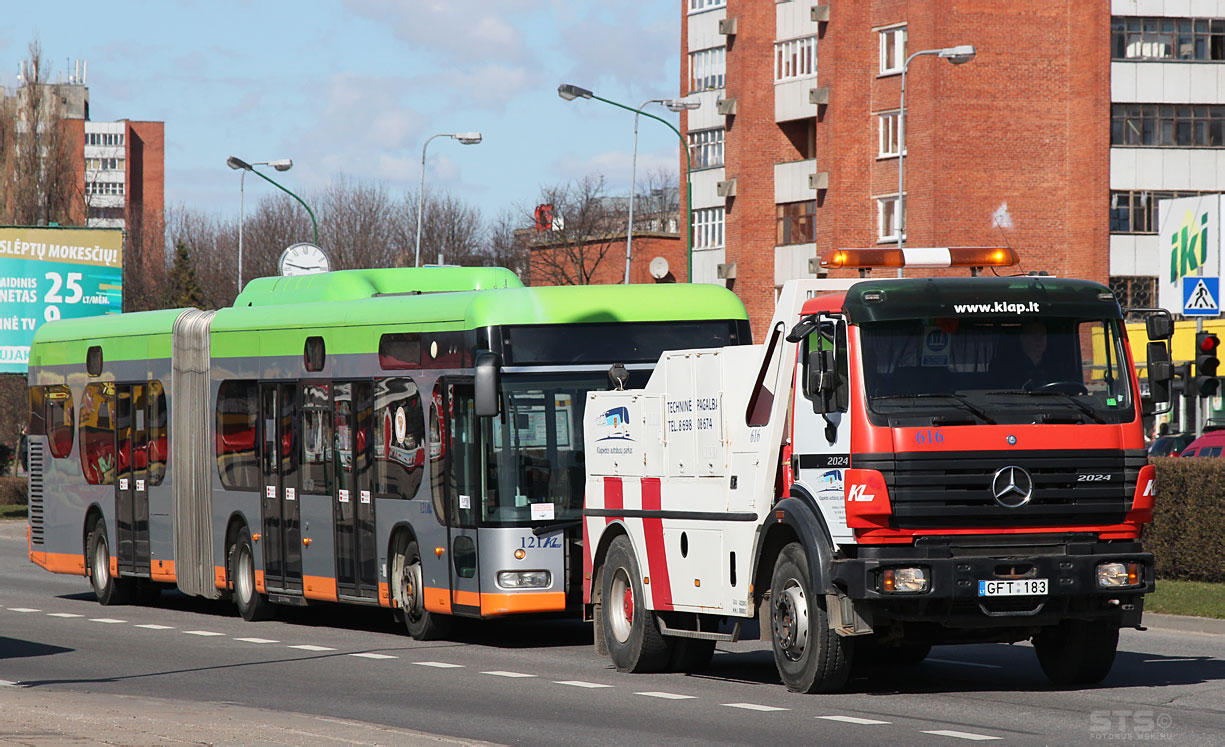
<point x="353" y="503"/>
<point x="132" y="479"/>
<point x="282" y="534"/>
<point x="462" y="494"/>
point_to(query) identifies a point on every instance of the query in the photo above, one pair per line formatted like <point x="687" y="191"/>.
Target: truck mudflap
<point x="1007" y="590"/>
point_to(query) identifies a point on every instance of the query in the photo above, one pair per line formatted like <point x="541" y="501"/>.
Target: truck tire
<point x="1077" y="652"/>
<point x="810" y="657"/>
<point x="252" y="605"/>
<point x="630" y="630"/>
<point x="109" y="589"/>
<point x="421" y="624"/>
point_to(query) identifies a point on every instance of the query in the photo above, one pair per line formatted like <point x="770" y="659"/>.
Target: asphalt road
<point x="541" y="682"/>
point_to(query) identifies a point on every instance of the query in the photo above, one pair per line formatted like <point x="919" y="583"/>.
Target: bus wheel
<point x="422" y="624"/>
<point x="109" y="590"/>
<point x="634" y="641"/>
<point x="810" y="657"/>
<point x="251" y="604"/>
<point x="1076" y="652"/>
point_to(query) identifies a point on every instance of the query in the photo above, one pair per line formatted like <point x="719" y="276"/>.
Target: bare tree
<point x="507" y="245"/>
<point x="656" y="205"/>
<point x="357" y="225"/>
<point x="586" y="226"/>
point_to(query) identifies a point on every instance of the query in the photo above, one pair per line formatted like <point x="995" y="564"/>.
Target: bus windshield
<point x="996" y="370"/>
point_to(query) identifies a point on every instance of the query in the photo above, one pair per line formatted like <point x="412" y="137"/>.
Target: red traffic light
<point x="1208" y="342"/>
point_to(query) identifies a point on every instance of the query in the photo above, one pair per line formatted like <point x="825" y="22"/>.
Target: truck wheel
<point x="810" y="657"/>
<point x="109" y="590"/>
<point x="1076" y="652"/>
<point x="422" y="624"/>
<point x="240" y="559"/>
<point x="691" y="655"/>
<point x="634" y="641"/>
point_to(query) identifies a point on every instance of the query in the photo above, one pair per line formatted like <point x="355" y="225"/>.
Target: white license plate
<point x="1024" y="587"/>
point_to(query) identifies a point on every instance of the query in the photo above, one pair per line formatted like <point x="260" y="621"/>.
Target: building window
<point x="892" y="50"/>
<point x="888" y="126"/>
<point x="1168" y="125"/>
<point x="795" y="222"/>
<point x="706" y="148"/>
<point x="104" y="213"/>
<point x="795" y="58"/>
<point x="104" y="188"/>
<point x="1135" y="211"/>
<point x="697" y="6"/>
<point x="1138" y="292"/>
<point x="889" y="215"/>
<point x="708" y="228"/>
<point x="707" y="69"/>
<point x="1134" y="38"/>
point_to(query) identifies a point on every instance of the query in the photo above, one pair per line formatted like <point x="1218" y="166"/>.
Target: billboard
<point x="54" y="273"/>
<point x="1189" y="239"/>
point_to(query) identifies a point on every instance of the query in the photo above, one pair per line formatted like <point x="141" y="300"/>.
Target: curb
<point x="1184" y="623"/>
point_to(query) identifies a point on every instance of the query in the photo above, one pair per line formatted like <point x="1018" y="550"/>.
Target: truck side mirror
<point x="488" y="382"/>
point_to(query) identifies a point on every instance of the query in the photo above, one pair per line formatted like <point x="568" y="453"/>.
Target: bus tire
<point x="810" y="657"/>
<point x="422" y="624"/>
<point x="252" y="605"/>
<point x="630" y="629"/>
<point x="1077" y="652"/>
<point x="109" y="590"/>
<point x="691" y="655"/>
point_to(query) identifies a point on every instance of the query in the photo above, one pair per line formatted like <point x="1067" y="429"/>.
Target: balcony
<point x="791" y="181"/>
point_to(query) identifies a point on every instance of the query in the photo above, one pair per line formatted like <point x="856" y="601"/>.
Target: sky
<point x="355" y="87"/>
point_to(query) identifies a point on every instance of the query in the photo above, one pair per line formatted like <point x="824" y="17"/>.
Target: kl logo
<point x="1188" y="248"/>
<point x="859" y="493"/>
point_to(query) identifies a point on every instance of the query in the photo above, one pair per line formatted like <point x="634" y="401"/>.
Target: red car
<point x="1211" y="444"/>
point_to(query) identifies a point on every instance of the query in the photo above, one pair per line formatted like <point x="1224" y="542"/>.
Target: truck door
<point x="282" y="535"/>
<point x="353" y="504"/>
<point x="819" y="465"/>
<point x="132" y="478"/>
<point x="462" y="491"/>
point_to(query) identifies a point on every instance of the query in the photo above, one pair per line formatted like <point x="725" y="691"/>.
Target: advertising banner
<point x="54" y="273"/>
<point x="1189" y="231"/>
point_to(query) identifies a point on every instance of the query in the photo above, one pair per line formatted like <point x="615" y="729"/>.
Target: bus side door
<point x="282" y="536"/>
<point x="353" y="503"/>
<point x="132" y="479"/>
<point x="461" y="493"/>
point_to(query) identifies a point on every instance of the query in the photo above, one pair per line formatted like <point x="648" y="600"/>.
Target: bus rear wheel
<point x="422" y="624"/>
<point x="630" y="630"/>
<point x="810" y="657"/>
<point x="109" y="589"/>
<point x="251" y="604"/>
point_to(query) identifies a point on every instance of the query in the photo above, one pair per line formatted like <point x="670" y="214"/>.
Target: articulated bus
<point x="408" y="438"/>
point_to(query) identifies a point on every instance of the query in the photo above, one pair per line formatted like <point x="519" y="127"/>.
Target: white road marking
<point x="375" y="656"/>
<point x="205" y="633"/>
<point x="666" y="696"/>
<point x="754" y="707"/>
<point x="580" y="683"/>
<point x="853" y="720"/>
<point x="961" y="735"/>
<point x="500" y="673"/>
<point x="965" y="663"/>
<point x="154" y="626"/>
<point x="438" y="664"/>
<point x="63" y="614"/>
<point x="107" y="620"/>
<point x="23" y="609"/>
<point x="256" y="640"/>
<point x="309" y="647"/>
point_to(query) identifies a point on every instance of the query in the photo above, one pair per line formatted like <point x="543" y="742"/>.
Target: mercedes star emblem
<point x="1012" y="486"/>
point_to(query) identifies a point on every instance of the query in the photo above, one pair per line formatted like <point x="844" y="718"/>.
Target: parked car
<point x="1211" y="444"/>
<point x="1170" y="445"/>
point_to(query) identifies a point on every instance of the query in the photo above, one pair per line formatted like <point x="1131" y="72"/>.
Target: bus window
<point x="316" y="437"/>
<point x="399" y="438"/>
<point x="37" y="423"/>
<point x="97" y="426"/>
<point x="59" y="420"/>
<point x="437" y="450"/>
<point x="237" y="410"/>
<point x="158" y="453"/>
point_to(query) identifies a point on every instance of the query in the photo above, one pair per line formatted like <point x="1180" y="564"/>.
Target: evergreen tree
<point x="184" y="288"/>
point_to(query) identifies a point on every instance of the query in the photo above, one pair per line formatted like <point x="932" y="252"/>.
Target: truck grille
<point x="954" y="489"/>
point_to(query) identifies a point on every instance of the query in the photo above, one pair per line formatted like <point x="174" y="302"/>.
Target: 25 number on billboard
<point x="72" y="283"/>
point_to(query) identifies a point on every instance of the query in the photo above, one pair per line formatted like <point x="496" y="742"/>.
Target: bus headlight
<point x="1115" y="575"/>
<point x="523" y="579"/>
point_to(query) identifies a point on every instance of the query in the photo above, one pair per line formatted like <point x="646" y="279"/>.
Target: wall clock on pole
<point x="303" y="259"/>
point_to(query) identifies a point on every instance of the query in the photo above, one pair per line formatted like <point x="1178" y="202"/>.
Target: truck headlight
<point x="523" y="579"/>
<point x="903" y="580"/>
<point x="1116" y="575"/>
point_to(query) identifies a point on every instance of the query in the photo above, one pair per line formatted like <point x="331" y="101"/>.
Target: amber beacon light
<point x="920" y="257"/>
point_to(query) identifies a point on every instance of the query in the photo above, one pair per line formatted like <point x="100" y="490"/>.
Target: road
<point x="540" y="682"/>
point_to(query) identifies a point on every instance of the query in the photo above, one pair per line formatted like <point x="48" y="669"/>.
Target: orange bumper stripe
<point x="510" y="604"/>
<point x="59" y="562"/>
<point x="319" y="587"/>
<point x="163" y="570"/>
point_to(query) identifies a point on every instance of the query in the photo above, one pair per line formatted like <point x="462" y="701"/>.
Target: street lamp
<point x="466" y="138"/>
<point x="958" y="55"/>
<point x="571" y="92"/>
<point x="283" y="164"/>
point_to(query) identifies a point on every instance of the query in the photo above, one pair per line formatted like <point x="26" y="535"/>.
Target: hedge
<point x="1187" y="535"/>
<point x="13" y="491"/>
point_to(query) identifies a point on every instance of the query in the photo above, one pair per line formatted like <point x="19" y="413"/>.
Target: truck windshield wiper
<point x="960" y="399"/>
<point x="1069" y="399"/>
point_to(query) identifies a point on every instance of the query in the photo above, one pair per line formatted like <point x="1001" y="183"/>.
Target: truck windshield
<point x="1003" y="370"/>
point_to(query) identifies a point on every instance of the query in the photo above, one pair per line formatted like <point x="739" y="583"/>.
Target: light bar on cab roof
<point x="967" y="256"/>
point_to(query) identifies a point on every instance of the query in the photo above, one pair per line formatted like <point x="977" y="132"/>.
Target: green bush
<point x="13" y="491"/>
<point x="1187" y="535"/>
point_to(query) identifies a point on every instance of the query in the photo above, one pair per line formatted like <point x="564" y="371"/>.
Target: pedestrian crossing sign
<point x="1201" y="296"/>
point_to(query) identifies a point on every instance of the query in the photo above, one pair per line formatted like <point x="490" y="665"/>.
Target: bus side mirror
<point x="488" y="382"/>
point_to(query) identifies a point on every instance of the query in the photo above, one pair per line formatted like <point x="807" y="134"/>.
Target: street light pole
<point x="283" y="164"/>
<point x="571" y="92"/>
<point x="956" y="55"/>
<point x="467" y="138"/>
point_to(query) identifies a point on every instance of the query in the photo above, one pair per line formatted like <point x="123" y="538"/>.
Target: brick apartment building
<point x="1057" y="139"/>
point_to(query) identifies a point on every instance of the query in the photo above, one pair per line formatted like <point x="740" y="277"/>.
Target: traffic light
<point x="1206" y="362"/>
<point x="1182" y="378"/>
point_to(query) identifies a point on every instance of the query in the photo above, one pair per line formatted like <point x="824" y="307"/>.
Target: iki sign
<point x="1189" y="230"/>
